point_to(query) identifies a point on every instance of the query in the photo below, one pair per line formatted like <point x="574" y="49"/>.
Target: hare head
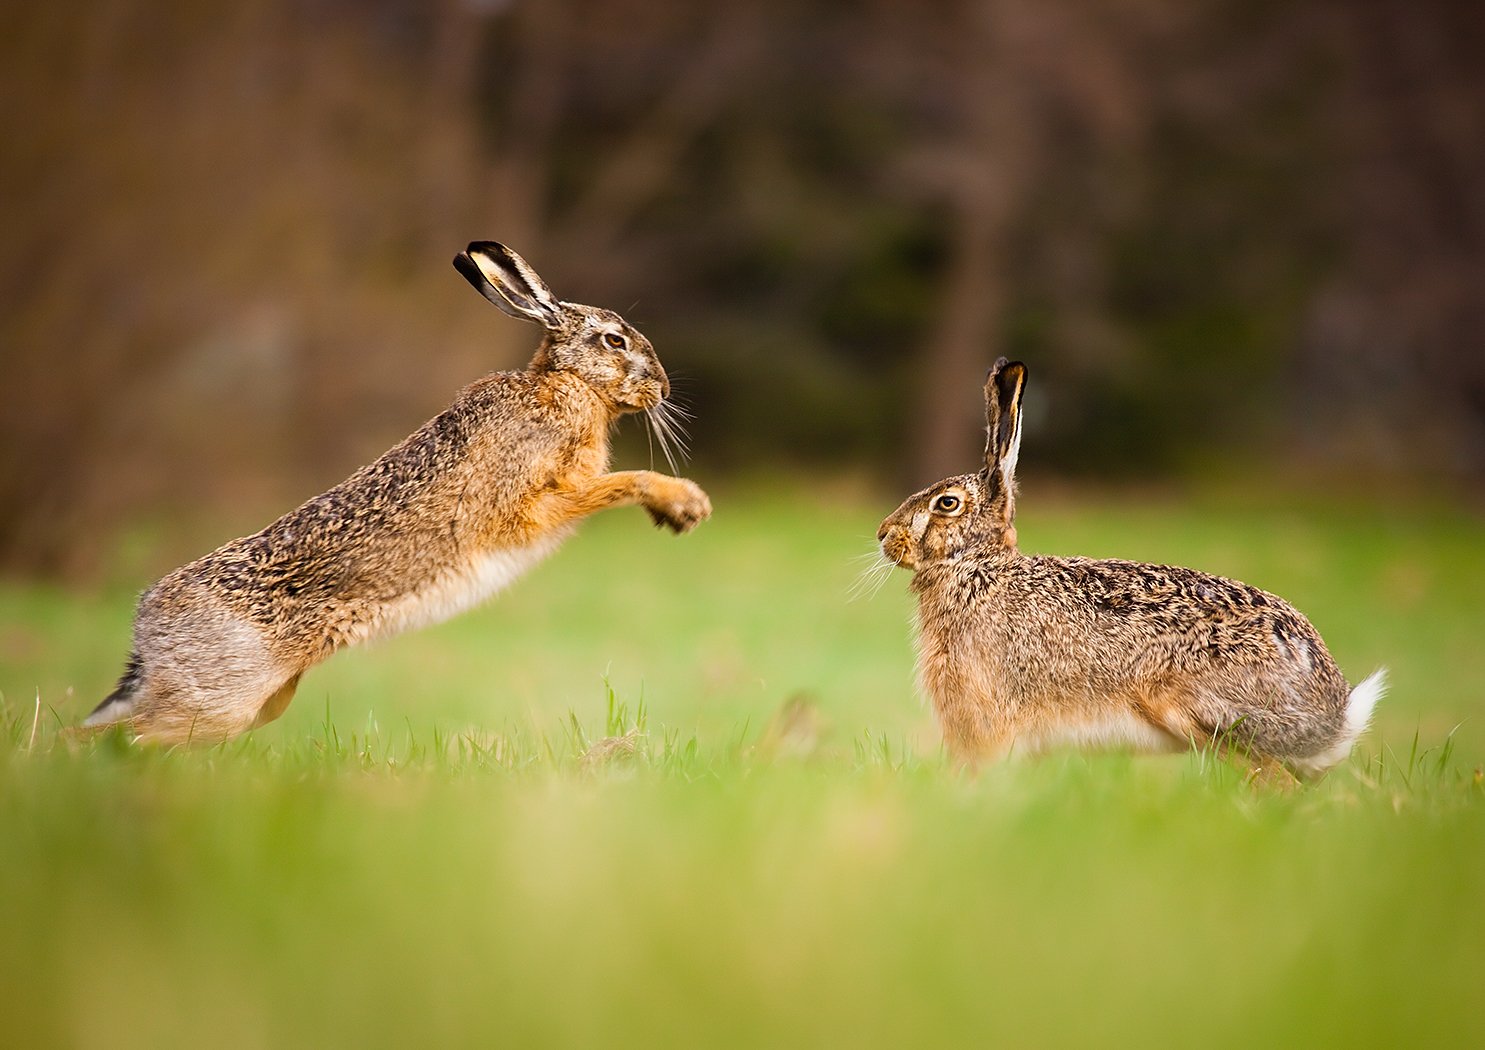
<point x="596" y="345"/>
<point x="968" y="511"/>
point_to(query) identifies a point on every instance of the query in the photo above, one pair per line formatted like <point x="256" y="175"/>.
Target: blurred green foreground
<point x="681" y="791"/>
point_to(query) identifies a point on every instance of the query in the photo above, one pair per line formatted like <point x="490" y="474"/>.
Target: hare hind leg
<point x="1172" y="712"/>
<point x="208" y="693"/>
<point x="171" y="712"/>
<point x="276" y="704"/>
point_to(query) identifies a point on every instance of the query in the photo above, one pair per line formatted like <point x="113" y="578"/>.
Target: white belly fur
<point x="458" y="590"/>
<point x="1114" y="732"/>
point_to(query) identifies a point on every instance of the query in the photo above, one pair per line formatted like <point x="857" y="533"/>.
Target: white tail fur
<point x="1359" y="707"/>
<point x="1362" y="702"/>
<point x="112" y="710"/>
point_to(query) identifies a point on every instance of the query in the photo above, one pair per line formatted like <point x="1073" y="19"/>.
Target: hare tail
<point x="1363" y="701"/>
<point x="1360" y="704"/>
<point x="119" y="704"/>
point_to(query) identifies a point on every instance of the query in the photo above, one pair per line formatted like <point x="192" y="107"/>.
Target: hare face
<point x="607" y="353"/>
<point x="944" y="520"/>
<point x="970" y="512"/>
<point x="596" y="345"/>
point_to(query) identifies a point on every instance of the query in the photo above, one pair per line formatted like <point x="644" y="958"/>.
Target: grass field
<point x="679" y="791"/>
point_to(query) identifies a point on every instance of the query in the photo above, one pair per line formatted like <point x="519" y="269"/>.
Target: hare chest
<point x="456" y="590"/>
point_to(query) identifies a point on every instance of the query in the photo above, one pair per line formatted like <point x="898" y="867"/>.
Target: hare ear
<point x="504" y="278"/>
<point x="1003" y="389"/>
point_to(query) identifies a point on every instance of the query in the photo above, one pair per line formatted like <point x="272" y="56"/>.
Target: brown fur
<point x="441" y="521"/>
<point x="1025" y="652"/>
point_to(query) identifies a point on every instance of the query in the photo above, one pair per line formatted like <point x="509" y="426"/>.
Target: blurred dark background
<point x="1220" y="231"/>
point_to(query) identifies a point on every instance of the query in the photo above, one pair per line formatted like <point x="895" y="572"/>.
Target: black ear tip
<point x="467" y="266"/>
<point x="1001" y="364"/>
<point x="1009" y="369"/>
<point x="486" y="248"/>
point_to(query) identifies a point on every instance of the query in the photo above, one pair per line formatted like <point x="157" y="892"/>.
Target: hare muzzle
<point x="647" y="383"/>
<point x="897" y="545"/>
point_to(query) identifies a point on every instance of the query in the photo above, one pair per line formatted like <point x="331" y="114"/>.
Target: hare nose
<point x="649" y="368"/>
<point x="881" y="534"/>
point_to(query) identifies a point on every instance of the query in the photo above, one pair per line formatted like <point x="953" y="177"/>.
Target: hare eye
<point x="614" y="340"/>
<point x="947" y="504"/>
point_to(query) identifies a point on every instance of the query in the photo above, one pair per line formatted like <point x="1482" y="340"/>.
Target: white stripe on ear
<point x="1004" y="387"/>
<point x="497" y="270"/>
<point x="489" y="268"/>
<point x="538" y="288"/>
<point x="1013" y="450"/>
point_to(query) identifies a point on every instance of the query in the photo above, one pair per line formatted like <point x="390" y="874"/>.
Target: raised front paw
<point x="679" y="506"/>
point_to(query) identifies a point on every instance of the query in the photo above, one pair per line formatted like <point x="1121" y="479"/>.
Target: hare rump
<point x="1029" y="652"/>
<point x="458" y="510"/>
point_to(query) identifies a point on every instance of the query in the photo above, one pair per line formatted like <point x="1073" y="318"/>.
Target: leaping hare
<point x="1028" y="651"/>
<point x="463" y="506"/>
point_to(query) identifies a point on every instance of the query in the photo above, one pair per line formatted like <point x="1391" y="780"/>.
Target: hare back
<point x="478" y="472"/>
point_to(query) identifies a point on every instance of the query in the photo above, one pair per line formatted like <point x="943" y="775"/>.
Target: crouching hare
<point x="1029" y="652"/>
<point x="471" y="500"/>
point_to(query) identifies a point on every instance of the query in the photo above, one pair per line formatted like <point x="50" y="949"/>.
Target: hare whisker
<point x="669" y="430"/>
<point x="877" y="581"/>
<point x="649" y="439"/>
<point x="677" y="435"/>
<point x="672" y="442"/>
<point x="871" y="579"/>
<point x="654" y="434"/>
<point x="676" y="416"/>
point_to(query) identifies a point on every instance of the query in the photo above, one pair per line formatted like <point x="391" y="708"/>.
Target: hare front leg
<point x="676" y="503"/>
<point x="974" y="737"/>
